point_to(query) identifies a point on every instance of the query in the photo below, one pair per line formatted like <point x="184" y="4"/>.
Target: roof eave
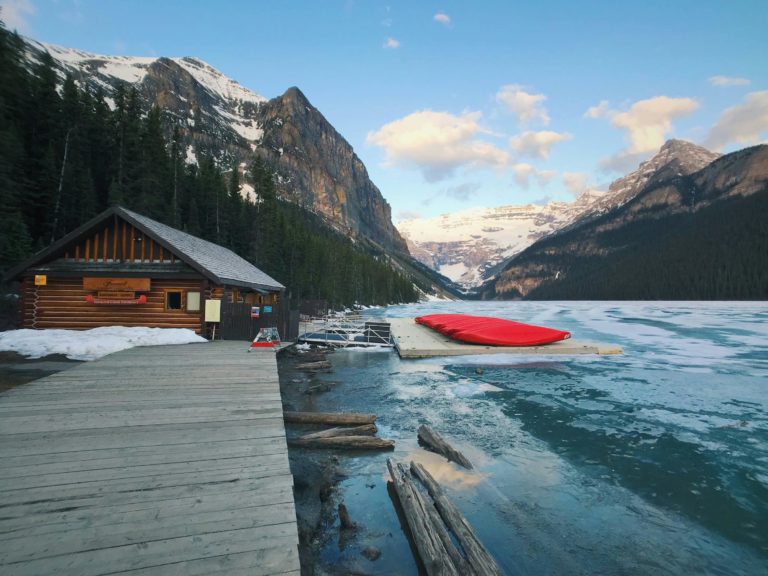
<point x="17" y="270"/>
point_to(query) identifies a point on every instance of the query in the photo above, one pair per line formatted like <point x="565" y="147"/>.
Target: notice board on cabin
<point x="213" y="310"/>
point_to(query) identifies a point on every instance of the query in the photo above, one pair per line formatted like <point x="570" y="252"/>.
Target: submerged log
<point x="344" y="520"/>
<point x="331" y="418"/>
<point x="364" y="430"/>
<point x="320" y="365"/>
<point x="480" y="561"/>
<point x="437" y="552"/>
<point x="344" y="443"/>
<point x="435" y="442"/>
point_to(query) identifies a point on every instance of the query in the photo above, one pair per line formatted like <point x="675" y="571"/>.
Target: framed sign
<point x="132" y="284"/>
<point x="254" y="311"/>
<point x="267" y="309"/>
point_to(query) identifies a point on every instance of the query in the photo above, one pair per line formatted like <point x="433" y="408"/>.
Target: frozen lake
<point x="652" y="462"/>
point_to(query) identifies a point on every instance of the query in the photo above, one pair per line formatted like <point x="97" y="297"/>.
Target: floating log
<point x="320" y="365"/>
<point x="435" y="442"/>
<point x="364" y="430"/>
<point x="345" y="443"/>
<point x="437" y="552"/>
<point x="322" y="387"/>
<point x="480" y="561"/>
<point x="330" y="418"/>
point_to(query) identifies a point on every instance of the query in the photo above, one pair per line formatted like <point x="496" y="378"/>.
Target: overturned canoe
<point x="491" y="331"/>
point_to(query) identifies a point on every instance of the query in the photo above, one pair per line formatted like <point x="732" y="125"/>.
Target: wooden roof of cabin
<point x="215" y="262"/>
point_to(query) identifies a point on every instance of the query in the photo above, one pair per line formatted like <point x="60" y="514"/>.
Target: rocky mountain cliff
<point x="315" y="166"/>
<point x="677" y="232"/>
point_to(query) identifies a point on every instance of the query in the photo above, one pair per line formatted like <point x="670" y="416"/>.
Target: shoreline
<point x="318" y="477"/>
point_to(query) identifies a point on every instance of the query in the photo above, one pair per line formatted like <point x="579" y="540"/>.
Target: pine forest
<point x="65" y="156"/>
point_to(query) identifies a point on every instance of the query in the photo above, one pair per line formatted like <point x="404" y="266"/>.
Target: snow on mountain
<point x="216" y="117"/>
<point x="675" y="158"/>
<point x="466" y="246"/>
<point x="232" y="102"/>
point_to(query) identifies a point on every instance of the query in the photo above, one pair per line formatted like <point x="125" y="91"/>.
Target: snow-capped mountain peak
<point x="469" y="246"/>
<point x="466" y="246"/>
<point x="134" y="69"/>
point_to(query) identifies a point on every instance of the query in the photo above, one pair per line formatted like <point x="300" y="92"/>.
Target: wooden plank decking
<point x="163" y="460"/>
<point x="416" y="341"/>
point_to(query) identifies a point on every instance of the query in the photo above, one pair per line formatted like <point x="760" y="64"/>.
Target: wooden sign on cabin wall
<point x="116" y="284"/>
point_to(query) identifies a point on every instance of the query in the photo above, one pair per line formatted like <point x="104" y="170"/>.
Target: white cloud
<point x="545" y="176"/>
<point x="728" y="81"/>
<point x="524" y="171"/>
<point x="537" y="144"/>
<point x="437" y="143"/>
<point x="744" y="123"/>
<point x="408" y="215"/>
<point x="576" y="182"/>
<point x="462" y="191"/>
<point x="646" y="125"/>
<point x="442" y="18"/>
<point x="15" y="13"/>
<point x="391" y="44"/>
<point x="598" y="111"/>
<point x="526" y="106"/>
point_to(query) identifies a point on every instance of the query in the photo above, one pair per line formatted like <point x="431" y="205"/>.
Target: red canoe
<point x="491" y="331"/>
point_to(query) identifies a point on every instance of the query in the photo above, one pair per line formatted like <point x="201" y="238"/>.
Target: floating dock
<point x="164" y="460"/>
<point x="416" y="341"/>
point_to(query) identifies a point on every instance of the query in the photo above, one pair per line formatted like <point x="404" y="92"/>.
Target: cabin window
<point x="193" y="301"/>
<point x="173" y="300"/>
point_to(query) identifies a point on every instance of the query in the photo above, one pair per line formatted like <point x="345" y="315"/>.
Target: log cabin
<point x="125" y="269"/>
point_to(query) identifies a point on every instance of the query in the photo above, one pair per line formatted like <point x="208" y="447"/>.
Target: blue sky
<point x="458" y="104"/>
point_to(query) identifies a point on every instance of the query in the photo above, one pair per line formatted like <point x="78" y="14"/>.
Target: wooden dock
<point x="153" y="461"/>
<point x="416" y="341"/>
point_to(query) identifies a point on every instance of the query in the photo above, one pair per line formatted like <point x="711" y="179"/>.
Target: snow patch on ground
<point x="91" y="344"/>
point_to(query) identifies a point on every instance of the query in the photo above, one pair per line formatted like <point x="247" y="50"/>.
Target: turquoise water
<point x="652" y="462"/>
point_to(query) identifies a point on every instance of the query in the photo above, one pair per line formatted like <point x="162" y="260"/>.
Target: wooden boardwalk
<point x="163" y="460"/>
<point x="416" y="341"/>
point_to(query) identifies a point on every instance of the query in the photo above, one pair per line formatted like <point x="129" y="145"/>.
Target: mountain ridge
<point x="681" y="236"/>
<point x="315" y="167"/>
<point x="461" y="247"/>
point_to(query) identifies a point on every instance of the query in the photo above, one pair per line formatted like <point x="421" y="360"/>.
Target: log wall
<point x="61" y="304"/>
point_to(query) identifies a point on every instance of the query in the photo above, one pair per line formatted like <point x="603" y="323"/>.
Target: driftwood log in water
<point x="364" y="430"/>
<point x="437" y="552"/>
<point x="330" y="418"/>
<point x="344" y="443"/>
<point x="435" y="442"/>
<point x="345" y="522"/>
<point x="319" y="365"/>
<point x="480" y="561"/>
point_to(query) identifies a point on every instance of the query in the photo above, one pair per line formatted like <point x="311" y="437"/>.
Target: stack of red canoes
<point x="491" y="331"/>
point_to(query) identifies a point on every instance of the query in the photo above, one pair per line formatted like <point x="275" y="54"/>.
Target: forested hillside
<point x="65" y="155"/>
